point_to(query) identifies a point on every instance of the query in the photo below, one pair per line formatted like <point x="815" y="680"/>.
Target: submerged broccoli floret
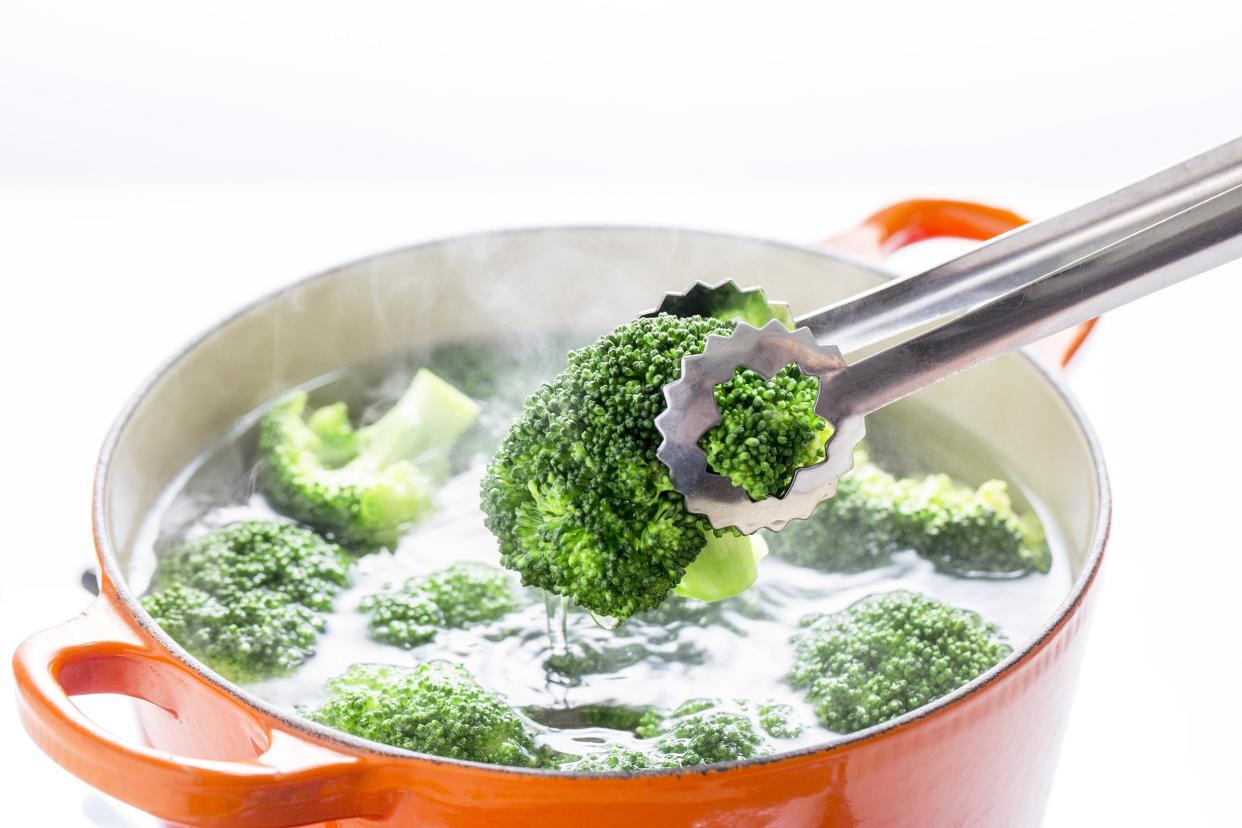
<point x="405" y="618"/>
<point x="577" y="498"/>
<point x="247" y="637"/>
<point x="436" y="707"/>
<point x="773" y="718"/>
<point x="617" y="759"/>
<point x="698" y="732"/>
<point x="459" y="595"/>
<point x="963" y="531"/>
<point x="258" y="554"/>
<point x="966" y="531"/>
<point x="246" y="598"/>
<point x="887" y="655"/>
<point x="363" y="486"/>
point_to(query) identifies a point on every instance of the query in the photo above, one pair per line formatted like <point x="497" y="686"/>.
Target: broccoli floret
<point x="577" y="498"/>
<point x="967" y="532"/>
<point x="258" y="554"/>
<point x="609" y="716"/>
<point x="469" y="593"/>
<point x="710" y="736"/>
<point x="962" y="531"/>
<point x="766" y="430"/>
<point x="363" y="486"/>
<point x="403" y="617"/>
<point x="436" y="707"/>
<point x="780" y="720"/>
<point x="855" y="530"/>
<point x="887" y="655"/>
<point x="250" y="636"/>
<point x="247" y="598"/>
<point x="617" y="759"/>
<point x="697" y="732"/>
<point x="459" y="595"/>
<point x="774" y="719"/>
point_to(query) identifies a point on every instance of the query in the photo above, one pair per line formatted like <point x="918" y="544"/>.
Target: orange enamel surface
<point x="907" y="222"/>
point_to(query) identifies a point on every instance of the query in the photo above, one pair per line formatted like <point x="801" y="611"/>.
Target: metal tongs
<point x="1017" y="289"/>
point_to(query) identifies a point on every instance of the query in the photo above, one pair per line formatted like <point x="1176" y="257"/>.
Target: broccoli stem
<point x="420" y="427"/>
<point x="727" y="566"/>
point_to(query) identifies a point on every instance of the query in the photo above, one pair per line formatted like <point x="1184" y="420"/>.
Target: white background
<point x="161" y="164"/>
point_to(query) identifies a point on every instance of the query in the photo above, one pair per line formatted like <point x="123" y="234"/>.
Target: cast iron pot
<point x="217" y="755"/>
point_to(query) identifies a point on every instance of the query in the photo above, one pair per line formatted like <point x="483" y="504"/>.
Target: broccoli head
<point x="461" y="594"/>
<point x="969" y="532"/>
<point x="247" y="637"/>
<point x="247" y="598"/>
<point x="767" y="430"/>
<point x="258" y="554"/>
<point x="962" y="531"/>
<point x="617" y="759"/>
<point x="436" y="708"/>
<point x="363" y="486"/>
<point x="887" y="655"/>
<point x="698" y="732"/>
<point x="403" y="617"/>
<point x="581" y="505"/>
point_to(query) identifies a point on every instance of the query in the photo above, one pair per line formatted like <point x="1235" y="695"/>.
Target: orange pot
<point x="216" y="755"/>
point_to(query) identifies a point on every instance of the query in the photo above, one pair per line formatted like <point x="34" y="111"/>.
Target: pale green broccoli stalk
<point x="887" y="655"/>
<point x="962" y="531"/>
<point x="436" y="708"/>
<point x="727" y="565"/>
<point x="579" y="502"/>
<point x="460" y="595"/>
<point x="364" y="486"/>
<point x="698" y="732"/>
<point x="246" y="599"/>
<point x="248" y="637"/>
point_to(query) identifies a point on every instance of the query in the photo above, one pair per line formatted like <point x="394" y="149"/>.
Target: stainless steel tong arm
<point x="1192" y="241"/>
<point x="1024" y="254"/>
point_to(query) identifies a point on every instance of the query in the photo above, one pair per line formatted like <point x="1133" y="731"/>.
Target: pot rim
<point x="111" y="574"/>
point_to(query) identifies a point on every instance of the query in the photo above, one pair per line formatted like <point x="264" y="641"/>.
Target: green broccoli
<point x="363" y="486"/>
<point x="774" y="719"/>
<point x="258" y="554"/>
<point x="248" y="637"/>
<point x="617" y="759"/>
<point x="402" y="617"/>
<point x="962" y="531"/>
<point x="581" y="505"/>
<point x="247" y="598"/>
<point x="698" y="732"/>
<point x="461" y="594"/>
<point x="436" y="708"/>
<point x="750" y="411"/>
<point x="887" y="655"/>
<point x="970" y="532"/>
<point x="608" y="716"/>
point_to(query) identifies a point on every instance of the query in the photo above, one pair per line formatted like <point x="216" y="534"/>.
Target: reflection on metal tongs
<point x="1021" y="287"/>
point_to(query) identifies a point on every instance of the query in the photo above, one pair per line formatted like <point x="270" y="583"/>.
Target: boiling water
<point x="740" y="650"/>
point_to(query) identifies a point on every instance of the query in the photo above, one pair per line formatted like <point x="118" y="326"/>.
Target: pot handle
<point x="908" y="222"/>
<point x="271" y="777"/>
